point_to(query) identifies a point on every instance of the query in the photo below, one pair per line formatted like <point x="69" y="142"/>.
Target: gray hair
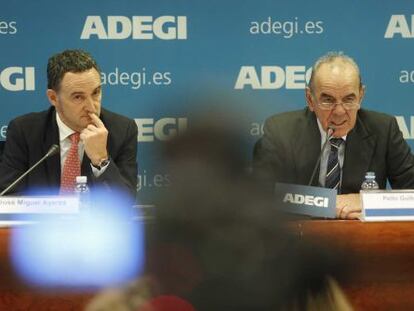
<point x="330" y="57"/>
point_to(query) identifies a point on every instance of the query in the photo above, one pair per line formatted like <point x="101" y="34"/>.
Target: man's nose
<point x="89" y="105"/>
<point x="339" y="109"/>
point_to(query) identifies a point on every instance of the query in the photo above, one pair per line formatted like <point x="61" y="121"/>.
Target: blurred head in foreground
<point x="219" y="244"/>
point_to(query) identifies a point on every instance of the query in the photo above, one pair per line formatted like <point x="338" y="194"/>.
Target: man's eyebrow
<point x="77" y="93"/>
<point x="350" y="95"/>
<point x="326" y="95"/>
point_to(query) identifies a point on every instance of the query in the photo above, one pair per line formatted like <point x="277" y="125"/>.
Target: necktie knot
<point x="74" y="138"/>
<point x="336" y="142"/>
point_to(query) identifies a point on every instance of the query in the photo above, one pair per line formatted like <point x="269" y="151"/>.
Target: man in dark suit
<point x="93" y="141"/>
<point x="369" y="141"/>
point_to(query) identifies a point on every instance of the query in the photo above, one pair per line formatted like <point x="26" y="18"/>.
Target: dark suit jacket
<point x="30" y="136"/>
<point x="291" y="144"/>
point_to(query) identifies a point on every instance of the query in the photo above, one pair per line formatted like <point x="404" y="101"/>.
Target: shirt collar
<point x="64" y="130"/>
<point x="323" y="133"/>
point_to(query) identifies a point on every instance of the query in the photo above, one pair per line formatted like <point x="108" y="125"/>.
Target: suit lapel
<point x="306" y="147"/>
<point x="360" y="146"/>
<point x="51" y="137"/>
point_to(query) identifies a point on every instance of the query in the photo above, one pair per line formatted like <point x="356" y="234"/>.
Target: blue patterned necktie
<point x="333" y="172"/>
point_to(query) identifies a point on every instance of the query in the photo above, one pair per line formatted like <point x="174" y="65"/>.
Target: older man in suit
<point x="361" y="141"/>
<point x="93" y="141"/>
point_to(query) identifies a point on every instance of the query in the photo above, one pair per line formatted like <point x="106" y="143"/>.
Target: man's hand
<point x="348" y="206"/>
<point x="94" y="138"/>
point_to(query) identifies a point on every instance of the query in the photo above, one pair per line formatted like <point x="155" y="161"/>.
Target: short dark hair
<point x="67" y="61"/>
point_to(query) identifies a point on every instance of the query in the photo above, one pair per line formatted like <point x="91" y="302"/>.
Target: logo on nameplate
<point x="306" y="200"/>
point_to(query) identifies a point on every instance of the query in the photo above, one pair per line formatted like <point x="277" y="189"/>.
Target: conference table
<point x="15" y="295"/>
<point x="380" y="255"/>
<point x="381" y="275"/>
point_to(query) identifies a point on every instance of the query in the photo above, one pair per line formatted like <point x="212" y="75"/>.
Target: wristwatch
<point x="102" y="163"/>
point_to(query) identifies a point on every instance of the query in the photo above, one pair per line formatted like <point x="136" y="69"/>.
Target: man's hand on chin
<point x="348" y="206"/>
<point x="94" y="138"/>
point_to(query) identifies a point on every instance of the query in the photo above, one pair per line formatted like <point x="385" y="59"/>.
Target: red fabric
<point x="72" y="167"/>
<point x="176" y="267"/>
<point x="167" y="303"/>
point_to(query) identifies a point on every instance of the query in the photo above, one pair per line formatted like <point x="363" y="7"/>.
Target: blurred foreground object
<point x="99" y="248"/>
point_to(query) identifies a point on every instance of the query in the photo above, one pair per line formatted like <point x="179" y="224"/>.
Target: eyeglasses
<point x="348" y="105"/>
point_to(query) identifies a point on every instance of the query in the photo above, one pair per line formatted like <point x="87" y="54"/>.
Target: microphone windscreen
<point x="53" y="150"/>
<point x="167" y="303"/>
<point x="331" y="131"/>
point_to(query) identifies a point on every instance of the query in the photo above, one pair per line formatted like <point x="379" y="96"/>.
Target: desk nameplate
<point x="306" y="200"/>
<point x="24" y="210"/>
<point x="387" y="205"/>
<point x="39" y="205"/>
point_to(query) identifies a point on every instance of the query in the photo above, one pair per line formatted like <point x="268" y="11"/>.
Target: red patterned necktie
<point x="72" y="167"/>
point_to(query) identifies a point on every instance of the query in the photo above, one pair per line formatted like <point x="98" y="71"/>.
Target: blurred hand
<point x="348" y="206"/>
<point x="94" y="138"/>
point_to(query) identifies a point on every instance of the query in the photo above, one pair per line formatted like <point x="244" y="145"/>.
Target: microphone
<point x="52" y="151"/>
<point x="329" y="134"/>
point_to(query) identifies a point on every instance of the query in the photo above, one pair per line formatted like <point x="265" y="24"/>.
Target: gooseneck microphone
<point x="52" y="150"/>
<point x="331" y="131"/>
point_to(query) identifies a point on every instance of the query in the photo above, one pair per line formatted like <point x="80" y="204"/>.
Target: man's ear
<point x="361" y="93"/>
<point x="309" y="99"/>
<point x="52" y="97"/>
